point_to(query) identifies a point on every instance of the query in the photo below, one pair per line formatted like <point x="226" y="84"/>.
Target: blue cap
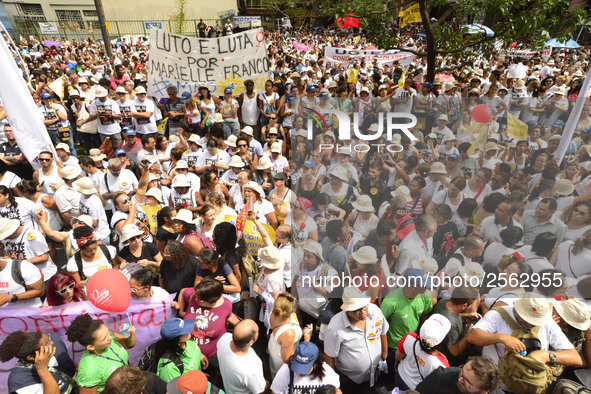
<point x="130" y="131"/>
<point x="558" y="123"/>
<point x="304" y="358"/>
<point x="45" y="95"/>
<point x="227" y="90"/>
<point x="428" y="85"/>
<point x="175" y="327"/>
<point x="418" y="277"/>
<point x="531" y="123"/>
<point x="323" y="94"/>
<point x="120" y="152"/>
<point x="454" y="156"/>
<point x="310" y="89"/>
<point x="291" y="98"/>
<point x="309" y="164"/>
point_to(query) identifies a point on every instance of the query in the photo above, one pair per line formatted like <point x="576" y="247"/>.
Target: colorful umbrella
<point x="570" y="44"/>
<point x="301" y="47"/>
<point x="52" y="44"/>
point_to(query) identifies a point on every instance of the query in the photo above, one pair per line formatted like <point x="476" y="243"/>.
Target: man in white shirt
<point x="116" y="180"/>
<point x="403" y="97"/>
<point x="418" y="244"/>
<point x="107" y="111"/>
<point x="142" y="111"/>
<point x="240" y="367"/>
<point x="491" y="227"/>
<point x="148" y="151"/>
<point x="66" y="197"/>
<point x="472" y="249"/>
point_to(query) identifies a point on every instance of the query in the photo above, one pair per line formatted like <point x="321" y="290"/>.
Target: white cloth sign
<point x="346" y="56"/>
<point x="189" y="62"/>
<point x="48" y="27"/>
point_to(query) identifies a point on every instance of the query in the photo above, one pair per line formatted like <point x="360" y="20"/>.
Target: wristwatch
<point x="14" y="298"/>
<point x="552" y="357"/>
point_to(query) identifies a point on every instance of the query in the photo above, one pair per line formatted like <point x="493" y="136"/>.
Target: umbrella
<point x="570" y="44"/>
<point x="301" y="47"/>
<point x="476" y="28"/>
<point x="421" y="35"/>
<point x="52" y="44"/>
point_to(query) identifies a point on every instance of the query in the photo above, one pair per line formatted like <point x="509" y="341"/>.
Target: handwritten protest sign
<point x="188" y="62"/>
<point x="346" y="56"/>
<point x="146" y="314"/>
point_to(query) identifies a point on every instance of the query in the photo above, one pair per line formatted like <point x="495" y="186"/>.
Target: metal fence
<point x="91" y="28"/>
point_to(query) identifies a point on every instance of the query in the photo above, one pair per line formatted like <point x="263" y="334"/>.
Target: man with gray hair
<point x="418" y="244"/>
<point x="114" y="181"/>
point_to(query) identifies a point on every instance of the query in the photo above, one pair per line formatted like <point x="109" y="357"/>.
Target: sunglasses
<point x="125" y="201"/>
<point x="134" y="290"/>
<point x="44" y="159"/>
<point x="65" y="289"/>
<point x="134" y="238"/>
<point x="242" y="146"/>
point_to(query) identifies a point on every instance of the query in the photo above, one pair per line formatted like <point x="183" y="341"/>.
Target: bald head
<point x="245" y="332"/>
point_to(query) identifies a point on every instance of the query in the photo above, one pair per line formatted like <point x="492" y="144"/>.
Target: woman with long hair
<point x="308" y="370"/>
<point x="516" y="156"/>
<point x="212" y="265"/>
<point x="424" y="347"/>
<point x="193" y="118"/>
<point x="176" y="352"/>
<point x="22" y="208"/>
<point x="31" y="190"/>
<point x="285" y="332"/>
<point x="420" y="200"/>
<point x="164" y="219"/>
<point x="232" y="251"/>
<point x="91" y="257"/>
<point x="206" y="222"/>
<point x="539" y="254"/>
<point x="221" y="210"/>
<point x="62" y="289"/>
<point x="577" y="219"/>
<point x="177" y="270"/>
<point x="164" y="147"/>
<point x="250" y="159"/>
<point x="573" y="257"/>
<point x="210" y="183"/>
<point x="104" y="351"/>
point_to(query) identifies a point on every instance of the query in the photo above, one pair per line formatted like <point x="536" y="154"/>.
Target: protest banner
<point x="189" y="62"/>
<point x="516" y="128"/>
<point x="345" y="56"/>
<point x="526" y="53"/>
<point x="253" y="239"/>
<point x="247" y="22"/>
<point x="410" y="15"/>
<point x="22" y="112"/>
<point x="146" y="314"/>
<point x="48" y="28"/>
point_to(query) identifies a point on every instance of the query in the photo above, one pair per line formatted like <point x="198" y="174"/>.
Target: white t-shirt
<point x="302" y="384"/>
<point x="550" y="334"/>
<point x="8" y="286"/>
<point x="241" y="374"/>
<point x="93" y="207"/>
<point x="92" y="267"/>
<point x="125" y="182"/>
<point x="206" y="159"/>
<point x="106" y="124"/>
<point x="51" y="114"/>
<point x="144" y="125"/>
<point x="31" y="243"/>
<point x="24" y="210"/>
<point x="427" y="362"/>
<point x="573" y="266"/>
<point x="10" y="180"/>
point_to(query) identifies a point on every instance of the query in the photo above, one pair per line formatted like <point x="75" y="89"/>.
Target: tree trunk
<point x="430" y="37"/>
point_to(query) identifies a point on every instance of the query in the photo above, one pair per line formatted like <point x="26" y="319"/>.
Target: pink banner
<point x="146" y="314"/>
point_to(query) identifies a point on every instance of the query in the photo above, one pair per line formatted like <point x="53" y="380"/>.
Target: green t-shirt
<point x="191" y="359"/>
<point x="404" y="315"/>
<point x="95" y="369"/>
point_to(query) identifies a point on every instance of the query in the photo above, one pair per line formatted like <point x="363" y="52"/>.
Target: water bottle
<point x="124" y="330"/>
<point x="523" y="353"/>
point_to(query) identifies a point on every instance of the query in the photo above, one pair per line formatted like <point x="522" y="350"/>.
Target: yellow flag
<point x="402" y="78"/>
<point x="478" y="133"/>
<point x="516" y="128"/>
<point x="410" y="15"/>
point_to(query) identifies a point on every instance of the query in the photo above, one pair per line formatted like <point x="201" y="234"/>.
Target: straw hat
<point x="255" y="187"/>
<point x="443" y="117"/>
<point x="564" y="187"/>
<point x="354" y="299"/>
<point x="402" y="191"/>
<point x="340" y="173"/>
<point x="519" y="84"/>
<point x="217" y="118"/>
<point x="575" y="313"/>
<point x="156" y="193"/>
<point x="84" y="185"/>
<point x="271" y="257"/>
<point x="231" y="141"/>
<point x="8" y="227"/>
<point x="248" y="130"/>
<point x="315" y="248"/>
<point x="448" y="86"/>
<point x="180" y="180"/>
<point x="490" y="146"/>
<point x="264" y="163"/>
<point x="363" y="204"/>
<point x="236" y="162"/>
<point x="438" y="168"/>
<point x="532" y="309"/>
<point x="96" y="154"/>
<point x="129" y="231"/>
<point x="365" y="255"/>
<point x="184" y="215"/>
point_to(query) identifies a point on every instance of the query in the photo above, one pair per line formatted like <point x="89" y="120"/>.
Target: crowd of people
<point x="430" y="263"/>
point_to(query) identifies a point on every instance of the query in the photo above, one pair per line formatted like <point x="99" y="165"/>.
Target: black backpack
<point x="147" y="362"/>
<point x="16" y="272"/>
<point x="78" y="259"/>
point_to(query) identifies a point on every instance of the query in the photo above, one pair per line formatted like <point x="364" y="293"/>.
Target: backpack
<point x="78" y="259"/>
<point x="16" y="272"/>
<point x="565" y="386"/>
<point x="523" y="375"/>
<point x="148" y="364"/>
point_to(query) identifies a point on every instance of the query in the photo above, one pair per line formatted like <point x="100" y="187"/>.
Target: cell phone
<point x="145" y="162"/>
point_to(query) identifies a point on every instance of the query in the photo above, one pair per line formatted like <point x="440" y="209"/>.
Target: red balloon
<point x="109" y="290"/>
<point x="482" y="113"/>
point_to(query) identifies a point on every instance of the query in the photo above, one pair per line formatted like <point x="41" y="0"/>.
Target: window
<point x="90" y="14"/>
<point x="70" y="19"/>
<point x="254" y="3"/>
<point x="31" y="9"/>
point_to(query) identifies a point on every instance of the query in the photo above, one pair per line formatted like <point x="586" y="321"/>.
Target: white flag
<point x="24" y="116"/>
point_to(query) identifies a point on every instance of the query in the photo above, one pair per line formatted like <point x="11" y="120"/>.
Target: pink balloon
<point x="482" y="113"/>
<point x="109" y="290"/>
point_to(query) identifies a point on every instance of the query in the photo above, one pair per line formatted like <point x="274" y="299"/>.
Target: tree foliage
<point x="179" y="18"/>
<point x="443" y="23"/>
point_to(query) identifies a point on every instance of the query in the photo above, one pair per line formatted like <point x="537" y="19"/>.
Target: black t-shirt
<point x="175" y="280"/>
<point x="149" y="251"/>
<point x="443" y="237"/>
<point x="223" y="270"/>
<point x="9" y="150"/>
<point x="164" y="235"/>
<point x="155" y="385"/>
